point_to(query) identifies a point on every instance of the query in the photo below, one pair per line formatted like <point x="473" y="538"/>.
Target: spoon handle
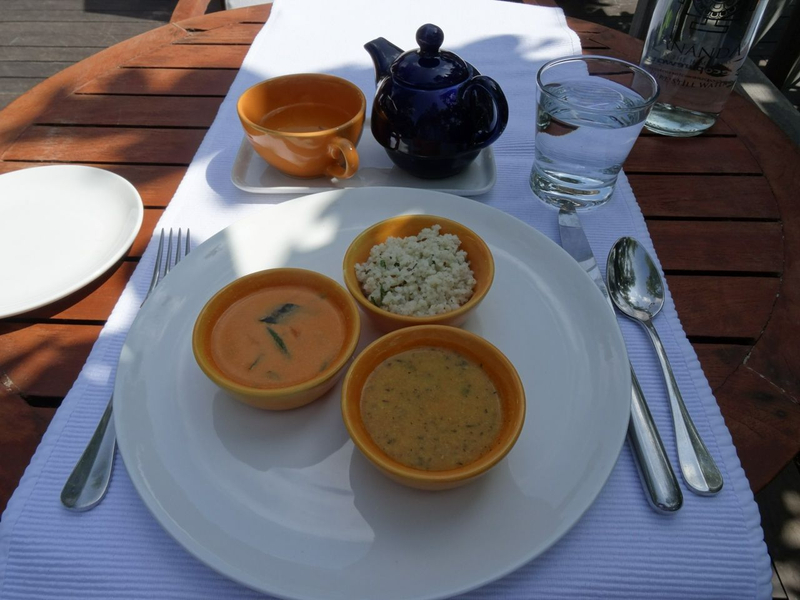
<point x="697" y="465"/>
<point x="88" y="482"/>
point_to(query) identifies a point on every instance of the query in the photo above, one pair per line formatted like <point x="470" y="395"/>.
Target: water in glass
<point x="585" y="129"/>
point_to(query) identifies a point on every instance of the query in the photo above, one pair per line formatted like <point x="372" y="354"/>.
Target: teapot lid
<point x="428" y="67"/>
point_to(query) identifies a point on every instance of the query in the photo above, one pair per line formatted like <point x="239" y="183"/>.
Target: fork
<point x="87" y="484"/>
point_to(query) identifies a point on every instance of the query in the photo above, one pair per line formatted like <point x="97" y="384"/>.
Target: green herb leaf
<point x="279" y="313"/>
<point x="383" y="264"/>
<point x="255" y="362"/>
<point x="279" y="341"/>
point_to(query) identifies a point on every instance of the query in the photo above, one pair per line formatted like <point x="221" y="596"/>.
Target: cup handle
<point x="342" y="149"/>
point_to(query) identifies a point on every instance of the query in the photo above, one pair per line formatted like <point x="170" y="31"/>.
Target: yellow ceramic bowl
<point x="294" y="395"/>
<point x="495" y="364"/>
<point x="478" y="255"/>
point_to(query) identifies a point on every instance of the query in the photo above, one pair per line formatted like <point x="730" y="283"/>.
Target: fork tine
<point x="178" y="247"/>
<point x="183" y="250"/>
<point x="157" y="269"/>
<point x="168" y="264"/>
<point x="158" y="272"/>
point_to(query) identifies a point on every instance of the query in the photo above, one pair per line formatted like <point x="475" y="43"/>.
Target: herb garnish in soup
<point x="277" y="337"/>
<point x="431" y="408"/>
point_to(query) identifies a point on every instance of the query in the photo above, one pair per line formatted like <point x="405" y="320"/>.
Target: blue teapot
<point x="433" y="112"/>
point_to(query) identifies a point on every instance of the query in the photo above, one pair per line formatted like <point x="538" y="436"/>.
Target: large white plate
<point x="63" y="226"/>
<point x="282" y="502"/>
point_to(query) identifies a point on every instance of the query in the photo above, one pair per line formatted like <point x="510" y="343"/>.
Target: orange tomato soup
<point x="277" y="337"/>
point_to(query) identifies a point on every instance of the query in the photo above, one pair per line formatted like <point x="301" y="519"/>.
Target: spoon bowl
<point x="634" y="282"/>
<point x="637" y="290"/>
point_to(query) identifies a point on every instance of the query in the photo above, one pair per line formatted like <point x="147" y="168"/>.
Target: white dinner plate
<point x="281" y="501"/>
<point x="63" y="226"/>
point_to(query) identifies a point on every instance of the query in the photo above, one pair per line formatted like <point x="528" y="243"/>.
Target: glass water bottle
<point x="695" y="50"/>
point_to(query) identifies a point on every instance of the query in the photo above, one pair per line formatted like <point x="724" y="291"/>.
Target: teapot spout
<point x="383" y="53"/>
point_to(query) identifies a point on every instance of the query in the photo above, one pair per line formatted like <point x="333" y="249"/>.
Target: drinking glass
<point x="590" y="112"/>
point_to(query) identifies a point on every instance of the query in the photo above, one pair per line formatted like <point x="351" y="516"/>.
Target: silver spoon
<point x="637" y="290"/>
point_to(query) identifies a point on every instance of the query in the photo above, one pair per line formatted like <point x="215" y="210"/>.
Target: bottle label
<point x="699" y="43"/>
<point x="696" y="49"/>
<point x="716" y="16"/>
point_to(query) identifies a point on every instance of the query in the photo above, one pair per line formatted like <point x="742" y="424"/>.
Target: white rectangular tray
<point x="251" y="174"/>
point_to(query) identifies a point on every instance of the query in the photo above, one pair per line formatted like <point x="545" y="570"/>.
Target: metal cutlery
<point x="87" y="484"/>
<point x="637" y="290"/>
<point x="656" y="474"/>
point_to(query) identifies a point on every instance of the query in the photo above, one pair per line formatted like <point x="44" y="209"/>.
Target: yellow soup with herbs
<point x="278" y="337"/>
<point x="432" y="409"/>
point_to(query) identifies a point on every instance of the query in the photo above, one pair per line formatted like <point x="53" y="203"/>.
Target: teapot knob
<point x="430" y="38"/>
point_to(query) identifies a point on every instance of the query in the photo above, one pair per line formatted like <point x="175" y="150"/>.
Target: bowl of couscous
<point x="418" y="270"/>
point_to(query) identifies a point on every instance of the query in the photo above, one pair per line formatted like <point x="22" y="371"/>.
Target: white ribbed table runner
<point x="712" y="548"/>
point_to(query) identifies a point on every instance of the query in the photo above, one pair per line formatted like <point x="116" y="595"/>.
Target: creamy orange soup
<point x="431" y="409"/>
<point x="278" y="337"/>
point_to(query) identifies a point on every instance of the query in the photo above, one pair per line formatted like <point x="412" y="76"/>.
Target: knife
<point x="655" y="471"/>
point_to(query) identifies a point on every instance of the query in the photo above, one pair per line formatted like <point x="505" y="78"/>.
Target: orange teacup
<point x="305" y="125"/>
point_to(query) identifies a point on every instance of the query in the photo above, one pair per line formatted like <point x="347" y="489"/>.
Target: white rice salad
<point x="420" y="275"/>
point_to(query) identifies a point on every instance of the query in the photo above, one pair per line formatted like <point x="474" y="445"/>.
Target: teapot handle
<point x="485" y="137"/>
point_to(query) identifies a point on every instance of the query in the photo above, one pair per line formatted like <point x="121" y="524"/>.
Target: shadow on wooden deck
<point x="39" y="38"/>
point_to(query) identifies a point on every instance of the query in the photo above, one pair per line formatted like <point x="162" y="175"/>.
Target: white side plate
<point x="251" y="174"/>
<point x="63" y="226"/>
<point x="283" y="503"/>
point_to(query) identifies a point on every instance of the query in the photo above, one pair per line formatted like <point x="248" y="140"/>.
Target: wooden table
<point x="722" y="210"/>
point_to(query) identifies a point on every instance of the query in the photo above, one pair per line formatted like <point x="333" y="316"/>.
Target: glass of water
<point x="590" y="112"/>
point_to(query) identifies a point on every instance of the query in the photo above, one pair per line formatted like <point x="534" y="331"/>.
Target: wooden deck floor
<point x="38" y="38"/>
